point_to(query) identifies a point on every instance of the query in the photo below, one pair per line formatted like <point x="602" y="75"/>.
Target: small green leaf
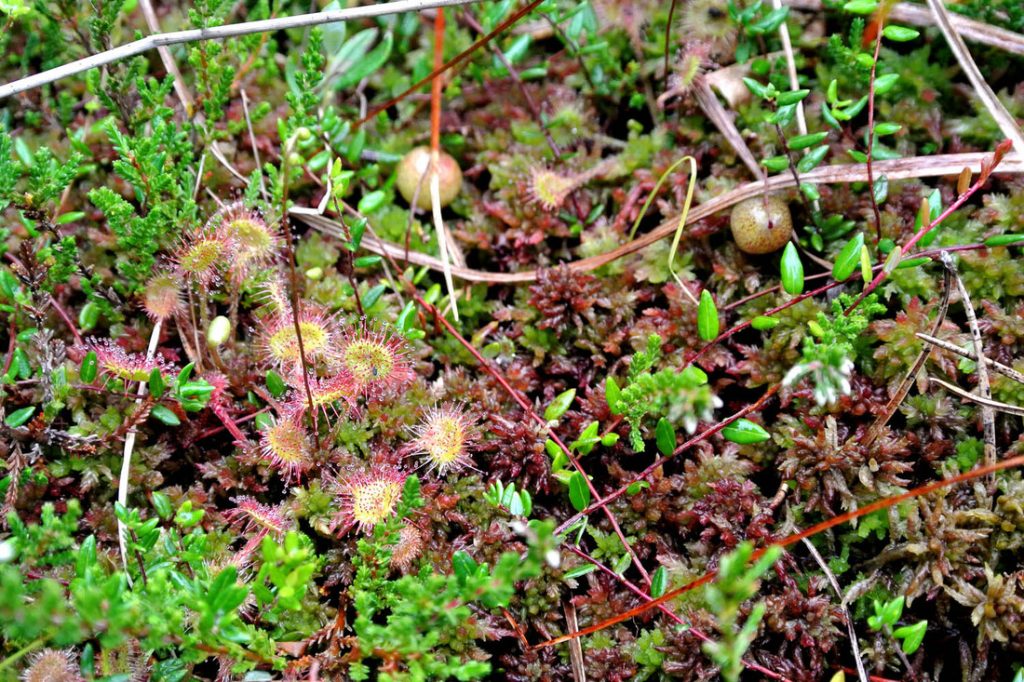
<point x="913" y="263"/>
<point x="89" y="316"/>
<point x="579" y="493"/>
<point x="579" y="571"/>
<point x="373" y="295"/>
<point x="165" y="414"/>
<point x="881" y="189"/>
<point x="659" y="581"/>
<point x="156" y="383"/>
<point x="162" y="505"/>
<point x="791" y="97"/>
<point x="887" y="128"/>
<point x="19" y="417"/>
<point x="865" y="264"/>
<point x="744" y="432"/>
<point x="848" y="258"/>
<point x="861" y="6"/>
<point x="636" y="486"/>
<point x="792" y="270"/>
<point x="811" y="160"/>
<point x="885" y="83"/>
<point x="805" y="141"/>
<point x="899" y="34"/>
<point x="776" y="164"/>
<point x="372" y="201"/>
<point x="757" y="88"/>
<point x="275" y="384"/>
<point x="764" y="323"/>
<point x="665" y="437"/>
<point x="707" y="317"/>
<point x="1004" y="239"/>
<point x="560" y="405"/>
<point x="912" y="636"/>
<point x="463" y="565"/>
<point x="366" y="261"/>
<point x="87" y="373"/>
<point x="612" y="395"/>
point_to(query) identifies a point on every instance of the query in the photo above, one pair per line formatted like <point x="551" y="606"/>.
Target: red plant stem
<point x="459" y="59"/>
<point x="817" y="528"/>
<point x="756" y="667"/>
<point x="871" y="131"/>
<point x="217" y="429"/>
<point x="925" y="229"/>
<point x="700" y="437"/>
<point x="229" y="424"/>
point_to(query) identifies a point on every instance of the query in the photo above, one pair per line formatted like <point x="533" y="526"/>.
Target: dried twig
<point x="985" y="402"/>
<point x="988" y="418"/>
<point x="975" y="31"/>
<point x="579" y="672"/>
<point x="994" y="365"/>
<point x="898" y="169"/>
<point x="1004" y="119"/>
<point x="220" y="33"/>
<point x="908" y="380"/>
<point x="861" y="673"/>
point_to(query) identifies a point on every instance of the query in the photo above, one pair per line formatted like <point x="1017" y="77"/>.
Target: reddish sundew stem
<point x="817" y="528"/>
<point x="436" y="84"/>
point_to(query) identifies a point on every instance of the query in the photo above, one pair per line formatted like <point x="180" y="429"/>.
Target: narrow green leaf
<point x="665" y="437"/>
<point x="275" y="384"/>
<point x="579" y="571"/>
<point x="463" y="565"/>
<point x="156" y="383"/>
<point x="1004" y="239"/>
<point x="792" y="270"/>
<point x="887" y="128"/>
<point x="165" y="414"/>
<point x="848" y="258"/>
<point x="757" y="88"/>
<point x="791" y="97"/>
<point x="744" y="432"/>
<point x="20" y="417"/>
<point x="707" y="317"/>
<point x="811" y="160"/>
<point x="659" y="581"/>
<point x="865" y="264"/>
<point x="912" y="636"/>
<point x="579" y="493"/>
<point x="612" y="395"/>
<point x="861" y="6"/>
<point x="899" y="34"/>
<point x="885" y="83"/>
<point x="636" y="486"/>
<point x="372" y="201"/>
<point x="560" y="405"/>
<point x="776" y="164"/>
<point x="763" y="323"/>
<point x="913" y="263"/>
<point x="87" y="373"/>
<point x="804" y="141"/>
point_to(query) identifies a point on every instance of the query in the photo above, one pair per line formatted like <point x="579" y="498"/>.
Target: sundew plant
<point x="511" y="340"/>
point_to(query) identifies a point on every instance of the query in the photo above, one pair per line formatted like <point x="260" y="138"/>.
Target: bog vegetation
<point x="525" y="340"/>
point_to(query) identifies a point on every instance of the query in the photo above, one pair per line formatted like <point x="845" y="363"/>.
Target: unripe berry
<point x="415" y="165"/>
<point x="761" y="225"/>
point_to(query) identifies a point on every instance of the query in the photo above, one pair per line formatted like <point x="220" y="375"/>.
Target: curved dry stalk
<point x="898" y="169"/>
<point x="129" y="446"/>
<point x="1004" y="119"/>
<point x="984" y="402"/>
<point x="994" y="365"/>
<point x="219" y="33"/>
<point x="975" y="31"/>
